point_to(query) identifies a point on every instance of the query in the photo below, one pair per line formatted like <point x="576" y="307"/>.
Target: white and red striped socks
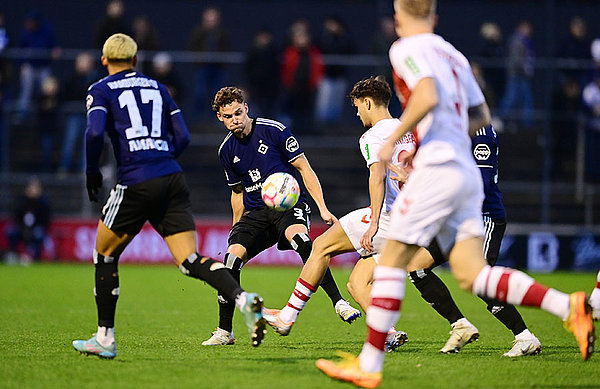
<point x="517" y="288"/>
<point x="384" y="310"/>
<point x="595" y="296"/>
<point x="297" y="301"/>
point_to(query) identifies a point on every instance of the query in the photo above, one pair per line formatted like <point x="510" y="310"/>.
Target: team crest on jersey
<point x="254" y="174"/>
<point x="482" y="152"/>
<point x="89" y="100"/>
<point x="263" y="148"/>
<point x="291" y="144"/>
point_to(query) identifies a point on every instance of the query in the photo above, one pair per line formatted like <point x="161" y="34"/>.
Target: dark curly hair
<point x="227" y="95"/>
<point x="374" y="87"/>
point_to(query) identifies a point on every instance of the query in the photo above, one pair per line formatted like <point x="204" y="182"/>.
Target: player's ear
<point x="104" y="61"/>
<point x="134" y="60"/>
<point x="219" y="117"/>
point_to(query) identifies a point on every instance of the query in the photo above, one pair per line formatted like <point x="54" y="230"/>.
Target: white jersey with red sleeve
<point x="443" y="134"/>
<point x="370" y="144"/>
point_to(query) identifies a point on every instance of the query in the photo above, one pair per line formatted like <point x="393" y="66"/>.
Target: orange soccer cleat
<point x="580" y="323"/>
<point x="348" y="369"/>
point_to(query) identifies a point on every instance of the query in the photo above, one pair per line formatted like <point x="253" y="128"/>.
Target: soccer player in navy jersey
<point x="147" y="132"/>
<point x="252" y="150"/>
<point x="435" y="292"/>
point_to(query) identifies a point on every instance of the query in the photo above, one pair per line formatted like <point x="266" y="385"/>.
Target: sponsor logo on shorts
<point x="291" y="144"/>
<point x="482" y="152"/>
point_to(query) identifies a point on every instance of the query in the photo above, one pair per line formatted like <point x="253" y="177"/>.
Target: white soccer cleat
<point x="272" y="316"/>
<point x="220" y="338"/>
<point x="529" y="345"/>
<point x="395" y="339"/>
<point x="463" y="332"/>
<point x="347" y="312"/>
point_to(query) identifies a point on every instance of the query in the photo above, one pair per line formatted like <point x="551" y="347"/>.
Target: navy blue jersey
<point x="143" y="122"/>
<point x="269" y="148"/>
<point x="485" y="151"/>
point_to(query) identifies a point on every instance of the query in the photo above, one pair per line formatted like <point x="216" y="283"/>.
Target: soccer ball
<point x="280" y="191"/>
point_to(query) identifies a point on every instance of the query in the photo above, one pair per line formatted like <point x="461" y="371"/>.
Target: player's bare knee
<point x="464" y="282"/>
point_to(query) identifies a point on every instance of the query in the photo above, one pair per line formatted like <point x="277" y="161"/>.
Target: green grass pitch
<point x="163" y="316"/>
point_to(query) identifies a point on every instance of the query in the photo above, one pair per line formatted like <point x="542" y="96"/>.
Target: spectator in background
<point x="488" y="92"/>
<point x="209" y="37"/>
<point x="262" y="74"/>
<point x="591" y="100"/>
<point x="335" y="40"/>
<point x="48" y="110"/>
<point x="112" y="23"/>
<point x="575" y="46"/>
<point x="37" y="34"/>
<point x="492" y="49"/>
<point x="75" y="92"/>
<point x="520" y="69"/>
<point x="566" y="107"/>
<point x="380" y="46"/>
<point x="3" y="73"/>
<point x="301" y="73"/>
<point x="30" y="223"/>
<point x="162" y="71"/>
<point x="146" y="36"/>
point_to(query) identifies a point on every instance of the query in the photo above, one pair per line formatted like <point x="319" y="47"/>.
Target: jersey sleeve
<point x="97" y="111"/>
<point x="474" y="94"/>
<point x="288" y="144"/>
<point x="369" y="148"/>
<point x="409" y="64"/>
<point x="180" y="133"/>
<point x="231" y="176"/>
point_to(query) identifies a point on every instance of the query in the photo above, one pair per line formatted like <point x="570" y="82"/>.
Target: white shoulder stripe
<point x="224" y="141"/>
<point x="175" y="111"/>
<point x="99" y="107"/>
<point x="272" y="123"/>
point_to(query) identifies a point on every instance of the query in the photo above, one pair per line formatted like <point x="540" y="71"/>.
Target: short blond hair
<point x="119" y="48"/>
<point x="417" y="8"/>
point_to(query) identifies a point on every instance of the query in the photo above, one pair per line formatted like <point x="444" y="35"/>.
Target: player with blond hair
<point x="148" y="133"/>
<point x="442" y="198"/>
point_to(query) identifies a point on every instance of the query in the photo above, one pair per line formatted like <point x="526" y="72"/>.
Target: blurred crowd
<point x="288" y="78"/>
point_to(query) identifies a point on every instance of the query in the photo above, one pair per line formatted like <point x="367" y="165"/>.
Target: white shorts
<point x="356" y="223"/>
<point x="443" y="202"/>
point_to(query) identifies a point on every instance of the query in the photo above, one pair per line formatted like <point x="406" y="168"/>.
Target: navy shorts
<point x="163" y="201"/>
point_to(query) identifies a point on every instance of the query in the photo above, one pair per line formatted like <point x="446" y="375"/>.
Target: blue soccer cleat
<point x="252" y="311"/>
<point x="92" y="346"/>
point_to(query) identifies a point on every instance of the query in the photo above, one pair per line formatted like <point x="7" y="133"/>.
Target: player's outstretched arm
<point x="237" y="203"/>
<point x="479" y="116"/>
<point x="424" y="99"/>
<point x="311" y="181"/>
<point x="377" y="176"/>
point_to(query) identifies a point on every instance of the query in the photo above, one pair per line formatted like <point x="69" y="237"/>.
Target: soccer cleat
<point x="580" y="323"/>
<point x="395" y="339"/>
<point x="220" y="338"/>
<point x="346" y="312"/>
<point x="348" y="369"/>
<point x="528" y="346"/>
<point x="91" y="346"/>
<point x="273" y="319"/>
<point x="463" y="332"/>
<point x="252" y="311"/>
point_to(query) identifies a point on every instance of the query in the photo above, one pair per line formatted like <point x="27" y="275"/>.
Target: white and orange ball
<point x="280" y="191"/>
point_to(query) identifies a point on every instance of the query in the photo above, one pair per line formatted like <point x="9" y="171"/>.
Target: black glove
<point x="93" y="183"/>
